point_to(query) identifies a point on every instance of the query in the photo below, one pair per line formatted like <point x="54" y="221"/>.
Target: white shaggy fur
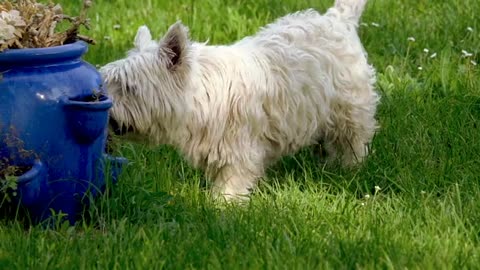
<point x="234" y="110"/>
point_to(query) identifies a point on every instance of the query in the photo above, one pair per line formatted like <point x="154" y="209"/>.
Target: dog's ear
<point x="174" y="44"/>
<point x="143" y="37"/>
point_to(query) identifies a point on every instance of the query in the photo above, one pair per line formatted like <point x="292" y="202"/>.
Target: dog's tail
<point x="351" y="10"/>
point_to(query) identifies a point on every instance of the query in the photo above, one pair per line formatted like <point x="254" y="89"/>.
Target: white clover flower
<point x="377" y="188"/>
<point x="107" y="37"/>
<point x="375" y="24"/>
<point x="469" y="29"/>
<point x="116" y="26"/>
<point x="473" y="63"/>
<point x="364" y="24"/>
<point x="367" y="196"/>
<point x="425" y="50"/>
<point x="411" y="39"/>
<point x="423" y="192"/>
<point x="466" y="54"/>
<point x="420" y="68"/>
<point x="433" y="55"/>
<point x="362" y="204"/>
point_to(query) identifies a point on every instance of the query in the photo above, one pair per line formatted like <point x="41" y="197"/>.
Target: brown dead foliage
<point x="29" y="24"/>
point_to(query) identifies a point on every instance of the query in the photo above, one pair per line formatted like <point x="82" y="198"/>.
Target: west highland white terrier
<point x="233" y="110"/>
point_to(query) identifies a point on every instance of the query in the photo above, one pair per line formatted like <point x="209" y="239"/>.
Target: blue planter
<point x="53" y="118"/>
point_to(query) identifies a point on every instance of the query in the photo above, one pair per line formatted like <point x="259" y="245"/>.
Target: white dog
<point x="234" y="110"/>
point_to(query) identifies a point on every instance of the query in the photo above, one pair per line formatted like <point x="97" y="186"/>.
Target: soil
<point x="90" y="98"/>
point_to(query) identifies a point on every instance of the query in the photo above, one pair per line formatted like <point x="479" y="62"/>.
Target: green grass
<point x="426" y="160"/>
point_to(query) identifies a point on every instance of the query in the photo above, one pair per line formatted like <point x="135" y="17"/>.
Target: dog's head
<point x="147" y="84"/>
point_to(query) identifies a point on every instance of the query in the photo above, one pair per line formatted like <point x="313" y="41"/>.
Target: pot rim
<point x="38" y="56"/>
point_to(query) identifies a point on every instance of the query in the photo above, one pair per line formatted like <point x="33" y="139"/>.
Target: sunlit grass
<point x="414" y="204"/>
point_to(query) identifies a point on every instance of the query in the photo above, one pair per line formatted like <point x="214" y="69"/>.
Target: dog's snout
<point x="117" y="128"/>
<point x="114" y="126"/>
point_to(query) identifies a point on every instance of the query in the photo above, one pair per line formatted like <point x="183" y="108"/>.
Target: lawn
<point x="414" y="204"/>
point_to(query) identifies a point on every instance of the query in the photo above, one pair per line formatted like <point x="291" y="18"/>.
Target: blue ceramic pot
<point x="54" y="112"/>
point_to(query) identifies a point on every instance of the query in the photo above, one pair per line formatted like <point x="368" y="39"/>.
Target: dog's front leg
<point x="234" y="183"/>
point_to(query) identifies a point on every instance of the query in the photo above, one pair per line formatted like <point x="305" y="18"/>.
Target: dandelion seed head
<point x="411" y="39"/>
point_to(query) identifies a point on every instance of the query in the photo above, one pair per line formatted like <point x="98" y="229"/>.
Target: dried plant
<point x="28" y="24"/>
